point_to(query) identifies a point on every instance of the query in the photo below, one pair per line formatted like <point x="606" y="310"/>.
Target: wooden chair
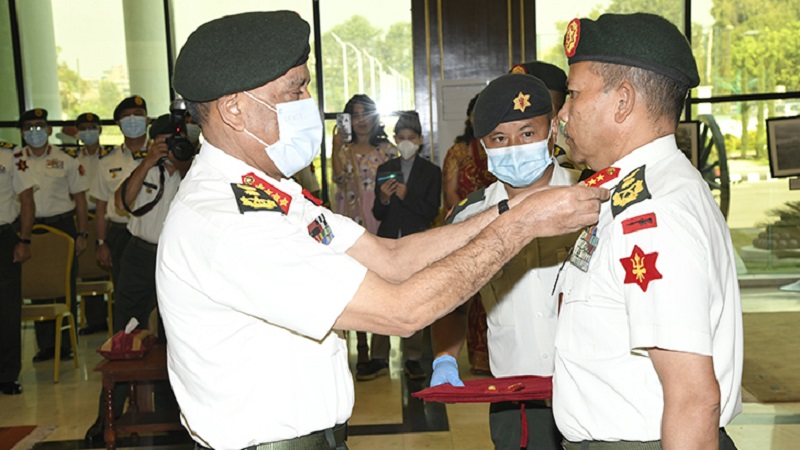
<point x="89" y="279"/>
<point x="45" y="276"/>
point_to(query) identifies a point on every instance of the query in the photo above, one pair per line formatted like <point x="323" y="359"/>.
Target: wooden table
<point x="153" y="367"/>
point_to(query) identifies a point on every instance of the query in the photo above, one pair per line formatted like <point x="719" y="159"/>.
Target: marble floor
<point x="385" y="416"/>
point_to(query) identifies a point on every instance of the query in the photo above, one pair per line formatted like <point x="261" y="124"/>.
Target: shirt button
<point x="545" y="356"/>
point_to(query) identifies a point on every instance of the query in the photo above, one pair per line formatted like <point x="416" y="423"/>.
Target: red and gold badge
<point x="521" y="102"/>
<point x="640" y="268"/>
<point x="571" y="37"/>
<point x="602" y="176"/>
<point x="22" y="165"/>
<point x="519" y="68"/>
<point x="283" y="200"/>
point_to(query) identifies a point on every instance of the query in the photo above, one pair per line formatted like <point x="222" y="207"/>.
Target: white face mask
<point x="89" y="137"/>
<point x="520" y="165"/>
<point x="36" y="138"/>
<point x="133" y="126"/>
<point x="407" y="149"/>
<point x="300" y="129"/>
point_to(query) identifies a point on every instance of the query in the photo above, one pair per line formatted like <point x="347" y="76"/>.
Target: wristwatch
<point x="502" y="206"/>
<point x="99" y="242"/>
<point x="82" y="234"/>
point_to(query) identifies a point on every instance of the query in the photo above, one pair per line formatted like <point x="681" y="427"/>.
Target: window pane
<point x="187" y="15"/>
<point x="97" y="62"/>
<point x="8" y="88"/>
<point x="745" y="50"/>
<point x="552" y="19"/>
<point x="367" y="49"/>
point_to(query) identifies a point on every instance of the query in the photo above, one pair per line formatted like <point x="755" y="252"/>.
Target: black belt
<point x="329" y="439"/>
<point x="55" y="219"/>
<point x="113" y="224"/>
<point x="141" y="243"/>
<point x="628" y="445"/>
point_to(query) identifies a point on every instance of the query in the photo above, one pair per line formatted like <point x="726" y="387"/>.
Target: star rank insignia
<point x="250" y="198"/>
<point x="521" y="102"/>
<point x="640" y="268"/>
<point x="630" y="191"/>
<point x="22" y="165"/>
<point x="602" y="176"/>
<point x="281" y="198"/>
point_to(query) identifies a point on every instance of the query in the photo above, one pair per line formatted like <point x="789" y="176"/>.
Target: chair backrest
<point x="47" y="274"/>
<point x="87" y="263"/>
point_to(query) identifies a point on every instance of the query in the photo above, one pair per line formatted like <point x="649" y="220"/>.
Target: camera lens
<point x="181" y="148"/>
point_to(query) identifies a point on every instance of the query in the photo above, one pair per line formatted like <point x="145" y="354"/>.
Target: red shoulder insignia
<point x="311" y="198"/>
<point x="281" y="198"/>
<point x="639" y="223"/>
<point x="602" y="176"/>
<point x="640" y="268"/>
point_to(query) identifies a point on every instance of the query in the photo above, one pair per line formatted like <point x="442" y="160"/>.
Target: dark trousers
<point x="505" y="426"/>
<point x="10" y="307"/>
<point x="117" y="236"/>
<point x="45" y="331"/>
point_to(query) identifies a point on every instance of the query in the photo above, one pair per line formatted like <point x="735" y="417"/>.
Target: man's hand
<point x="80" y="245"/>
<point x="157" y="150"/>
<point x="445" y="370"/>
<point x="562" y="210"/>
<point x="22" y="252"/>
<point x="103" y="255"/>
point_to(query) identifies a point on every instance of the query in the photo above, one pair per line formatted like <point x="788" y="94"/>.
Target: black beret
<point x="508" y="98"/>
<point x="32" y="114"/>
<point x="87" y="118"/>
<point x="642" y="40"/>
<point x="160" y="126"/>
<point x="133" y="101"/>
<point x="553" y="77"/>
<point x="240" y="52"/>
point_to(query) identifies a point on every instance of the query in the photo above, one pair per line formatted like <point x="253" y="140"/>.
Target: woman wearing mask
<point x="406" y="202"/>
<point x="355" y="165"/>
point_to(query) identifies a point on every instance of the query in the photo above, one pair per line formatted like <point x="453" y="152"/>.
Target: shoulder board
<point x="7" y="145"/>
<point x="631" y="190"/>
<point x="251" y="198"/>
<point x="71" y="151"/>
<point x="470" y="199"/>
<point x="106" y="150"/>
<point x="558" y="151"/>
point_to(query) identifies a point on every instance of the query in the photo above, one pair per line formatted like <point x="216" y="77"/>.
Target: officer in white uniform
<point x="60" y="202"/>
<point x="515" y="119"/>
<point x="255" y="279"/>
<point x="111" y="223"/>
<point x="649" y="341"/>
<point x="16" y="220"/>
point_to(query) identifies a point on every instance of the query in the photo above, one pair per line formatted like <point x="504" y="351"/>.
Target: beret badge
<point x="519" y="68"/>
<point x="38" y="112"/>
<point x="571" y="37"/>
<point x="521" y="102"/>
<point x="138" y="100"/>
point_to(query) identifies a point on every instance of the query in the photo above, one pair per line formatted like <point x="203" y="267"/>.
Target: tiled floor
<point x="385" y="417"/>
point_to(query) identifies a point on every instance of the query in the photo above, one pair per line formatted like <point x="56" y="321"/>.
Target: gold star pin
<point x="522" y="102"/>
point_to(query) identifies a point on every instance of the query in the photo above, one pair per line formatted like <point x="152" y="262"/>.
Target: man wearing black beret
<point x="515" y="121"/>
<point x="649" y="339"/>
<point x="255" y="279"/>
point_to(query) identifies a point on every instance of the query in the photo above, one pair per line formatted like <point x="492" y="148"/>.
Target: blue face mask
<point x="520" y="165"/>
<point x="36" y="138"/>
<point x="133" y="126"/>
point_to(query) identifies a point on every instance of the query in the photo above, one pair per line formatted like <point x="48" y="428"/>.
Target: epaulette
<point x="631" y="190"/>
<point x="7" y="145"/>
<point x="251" y="198"/>
<point x="71" y="151"/>
<point x="106" y="150"/>
<point x="470" y="199"/>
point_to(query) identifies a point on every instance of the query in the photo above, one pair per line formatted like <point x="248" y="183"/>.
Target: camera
<point x="178" y="144"/>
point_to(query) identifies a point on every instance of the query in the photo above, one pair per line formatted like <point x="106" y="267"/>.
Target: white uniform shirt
<point x="148" y="227"/>
<point x="112" y="169"/>
<point x="521" y="310"/>
<point x="58" y="175"/>
<point x="662" y="275"/>
<point x="89" y="164"/>
<point x="248" y="302"/>
<point x="15" y="177"/>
